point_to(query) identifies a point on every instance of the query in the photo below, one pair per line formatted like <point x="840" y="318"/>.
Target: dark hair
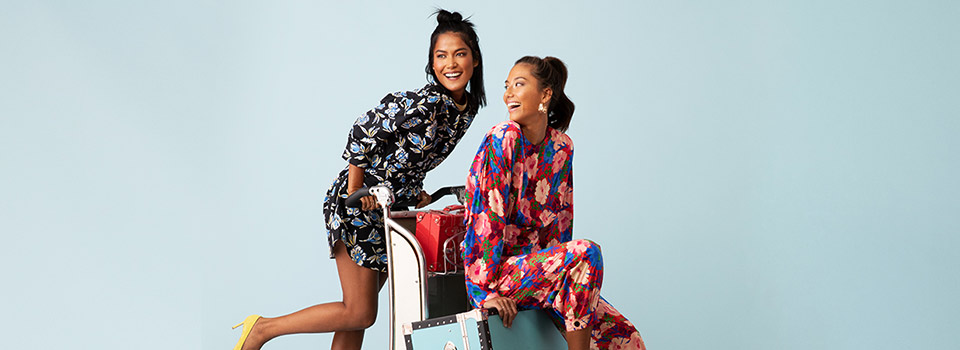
<point x="454" y="22"/>
<point x="552" y="73"/>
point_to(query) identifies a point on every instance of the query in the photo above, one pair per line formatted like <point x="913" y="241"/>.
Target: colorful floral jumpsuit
<point x="519" y="237"/>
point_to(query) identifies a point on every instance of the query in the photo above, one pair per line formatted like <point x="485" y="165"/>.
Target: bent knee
<point x="359" y="319"/>
<point x="588" y="249"/>
<point x="367" y="321"/>
<point x="591" y="247"/>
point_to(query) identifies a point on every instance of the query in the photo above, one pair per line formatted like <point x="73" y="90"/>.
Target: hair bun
<point x="559" y="68"/>
<point x="447" y="16"/>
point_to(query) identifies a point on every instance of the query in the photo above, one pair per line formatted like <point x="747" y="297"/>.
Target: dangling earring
<point x="542" y="109"/>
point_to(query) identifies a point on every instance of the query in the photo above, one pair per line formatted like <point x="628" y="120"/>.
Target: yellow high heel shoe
<point x="247" y="327"/>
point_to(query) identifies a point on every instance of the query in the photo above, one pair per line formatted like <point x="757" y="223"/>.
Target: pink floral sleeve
<point x="561" y="230"/>
<point x="488" y="203"/>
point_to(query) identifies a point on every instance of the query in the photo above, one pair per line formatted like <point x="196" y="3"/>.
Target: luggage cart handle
<point x="457" y="191"/>
<point x="354" y="200"/>
<point x="383" y="194"/>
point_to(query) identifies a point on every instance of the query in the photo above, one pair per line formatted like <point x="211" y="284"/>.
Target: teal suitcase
<point x="481" y="329"/>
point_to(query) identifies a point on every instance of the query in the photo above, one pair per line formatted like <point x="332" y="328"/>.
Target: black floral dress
<point x="396" y="144"/>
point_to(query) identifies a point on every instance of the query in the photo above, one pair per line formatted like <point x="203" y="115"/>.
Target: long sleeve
<point x="371" y="131"/>
<point x="488" y="192"/>
<point x="566" y="215"/>
<point x="562" y="182"/>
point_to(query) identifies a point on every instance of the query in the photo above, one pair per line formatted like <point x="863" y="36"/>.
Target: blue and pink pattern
<point x="519" y="242"/>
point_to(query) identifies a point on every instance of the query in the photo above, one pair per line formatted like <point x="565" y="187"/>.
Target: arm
<point x="354" y="183"/>
<point x="562" y="229"/>
<point x="365" y="143"/>
<point x="488" y="188"/>
<point x="372" y="131"/>
<point x="354" y="179"/>
<point x="565" y="221"/>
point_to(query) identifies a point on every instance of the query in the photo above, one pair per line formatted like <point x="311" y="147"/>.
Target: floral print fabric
<point x="396" y="143"/>
<point x="519" y="236"/>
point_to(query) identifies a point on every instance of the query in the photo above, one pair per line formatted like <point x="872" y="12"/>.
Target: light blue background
<point x="761" y="175"/>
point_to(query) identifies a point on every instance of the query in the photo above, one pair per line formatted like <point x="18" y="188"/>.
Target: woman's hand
<point x="424" y="199"/>
<point x="367" y="202"/>
<point x="354" y="183"/>
<point x="506" y="307"/>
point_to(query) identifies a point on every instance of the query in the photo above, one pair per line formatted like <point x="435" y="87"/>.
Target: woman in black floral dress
<point x="394" y="144"/>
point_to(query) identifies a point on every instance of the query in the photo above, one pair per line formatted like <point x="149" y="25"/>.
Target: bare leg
<point x="356" y="312"/>
<point x="352" y="340"/>
<point x="579" y="339"/>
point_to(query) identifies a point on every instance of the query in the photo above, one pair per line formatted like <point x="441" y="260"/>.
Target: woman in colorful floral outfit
<point x="394" y="144"/>
<point x="518" y="250"/>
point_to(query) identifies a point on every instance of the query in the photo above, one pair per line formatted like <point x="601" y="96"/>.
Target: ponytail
<point x="552" y="73"/>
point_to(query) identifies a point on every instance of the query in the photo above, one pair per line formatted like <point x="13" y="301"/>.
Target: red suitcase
<point x="440" y="233"/>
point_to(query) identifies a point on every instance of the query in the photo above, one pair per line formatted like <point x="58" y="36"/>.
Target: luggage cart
<point x="428" y="307"/>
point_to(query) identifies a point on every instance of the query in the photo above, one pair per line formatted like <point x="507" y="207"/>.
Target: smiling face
<point x="453" y="63"/>
<point x="523" y="95"/>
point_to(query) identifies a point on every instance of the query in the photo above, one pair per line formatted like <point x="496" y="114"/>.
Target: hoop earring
<point x="542" y="109"/>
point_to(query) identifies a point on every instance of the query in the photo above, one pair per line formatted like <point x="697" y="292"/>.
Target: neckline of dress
<point x="446" y="93"/>
<point x="538" y="147"/>
<point x="460" y="107"/>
